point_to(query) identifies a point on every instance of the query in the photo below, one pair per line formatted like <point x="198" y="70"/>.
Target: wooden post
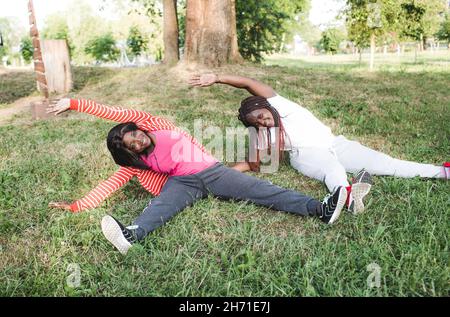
<point x="57" y="62"/>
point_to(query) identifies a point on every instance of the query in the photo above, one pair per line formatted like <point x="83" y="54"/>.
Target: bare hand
<point x="204" y="80"/>
<point x="60" y="205"/>
<point x="58" y="106"/>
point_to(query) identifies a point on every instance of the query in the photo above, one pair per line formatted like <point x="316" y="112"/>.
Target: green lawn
<point x="219" y="248"/>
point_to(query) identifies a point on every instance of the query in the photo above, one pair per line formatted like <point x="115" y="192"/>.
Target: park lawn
<point x="218" y="248"/>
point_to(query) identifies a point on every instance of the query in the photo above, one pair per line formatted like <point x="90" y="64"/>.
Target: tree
<point x="136" y="41"/>
<point x="444" y="31"/>
<point x="420" y="19"/>
<point x="56" y="28"/>
<point x="211" y="36"/>
<point x="26" y="49"/>
<point x="330" y="40"/>
<point x="103" y="48"/>
<point x="84" y="26"/>
<point x="12" y="33"/>
<point x="262" y="25"/>
<point x="170" y="29"/>
<point x="367" y="19"/>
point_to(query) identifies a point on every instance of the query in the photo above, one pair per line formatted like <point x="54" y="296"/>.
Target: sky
<point x="42" y="8"/>
<point x="322" y="12"/>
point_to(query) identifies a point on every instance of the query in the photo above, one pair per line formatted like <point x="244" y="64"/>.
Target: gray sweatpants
<point x="182" y="191"/>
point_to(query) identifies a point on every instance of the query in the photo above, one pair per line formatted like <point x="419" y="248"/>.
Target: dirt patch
<point x="21" y="105"/>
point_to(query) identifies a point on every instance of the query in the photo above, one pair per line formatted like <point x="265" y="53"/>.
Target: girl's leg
<point x="321" y="164"/>
<point x="354" y="157"/>
<point x="177" y="194"/>
<point x="228" y="183"/>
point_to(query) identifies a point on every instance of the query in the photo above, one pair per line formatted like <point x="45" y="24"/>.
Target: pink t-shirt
<point x="175" y="155"/>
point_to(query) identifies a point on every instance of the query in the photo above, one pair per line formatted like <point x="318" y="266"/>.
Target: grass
<point x="15" y="85"/>
<point x="218" y="248"/>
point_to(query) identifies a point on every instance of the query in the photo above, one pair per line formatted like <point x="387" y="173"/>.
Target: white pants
<point x="331" y="165"/>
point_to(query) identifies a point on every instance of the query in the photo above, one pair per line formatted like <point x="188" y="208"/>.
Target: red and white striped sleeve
<point x="103" y="190"/>
<point x="152" y="181"/>
<point x="117" y="114"/>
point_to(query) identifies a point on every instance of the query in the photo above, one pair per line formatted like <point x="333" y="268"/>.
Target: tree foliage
<point x="136" y="41"/>
<point x="12" y="33"/>
<point x="330" y="40"/>
<point x="443" y="33"/>
<point x="409" y="19"/>
<point x="261" y="25"/>
<point x="103" y="48"/>
<point x="56" y="28"/>
<point x="420" y="19"/>
<point x="367" y="17"/>
<point x="26" y="49"/>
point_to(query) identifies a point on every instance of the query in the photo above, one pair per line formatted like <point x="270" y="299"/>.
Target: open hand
<point x="58" y="106"/>
<point x="204" y="80"/>
<point x="60" y="205"/>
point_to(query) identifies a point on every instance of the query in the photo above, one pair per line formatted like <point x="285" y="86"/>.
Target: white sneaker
<point x="122" y="238"/>
<point x="361" y="185"/>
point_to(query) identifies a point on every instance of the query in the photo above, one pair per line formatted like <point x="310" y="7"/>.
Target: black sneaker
<point x="333" y="204"/>
<point x="116" y="233"/>
<point x="361" y="184"/>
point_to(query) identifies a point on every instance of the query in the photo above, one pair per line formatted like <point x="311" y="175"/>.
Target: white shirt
<point x="302" y="128"/>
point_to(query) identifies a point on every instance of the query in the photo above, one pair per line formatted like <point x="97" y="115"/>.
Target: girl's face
<point x="260" y="118"/>
<point x="136" y="141"/>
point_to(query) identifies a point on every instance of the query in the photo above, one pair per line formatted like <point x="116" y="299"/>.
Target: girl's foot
<point x="121" y="237"/>
<point x="333" y="204"/>
<point x="361" y="185"/>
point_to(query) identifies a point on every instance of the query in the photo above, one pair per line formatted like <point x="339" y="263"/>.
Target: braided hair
<point x="251" y="104"/>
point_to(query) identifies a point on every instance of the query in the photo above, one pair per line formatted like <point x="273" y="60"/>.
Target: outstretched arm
<point x="99" y="193"/>
<point x="253" y="86"/>
<point x="117" y="114"/>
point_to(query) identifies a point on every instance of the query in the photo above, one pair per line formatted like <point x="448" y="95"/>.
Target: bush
<point x="26" y="49"/>
<point x="103" y="48"/>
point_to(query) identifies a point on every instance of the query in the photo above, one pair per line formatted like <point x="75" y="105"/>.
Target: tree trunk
<point x="283" y="38"/>
<point x="415" y="52"/>
<point x="236" y="56"/>
<point x="423" y="43"/>
<point x="211" y="37"/>
<point x="171" y="48"/>
<point x="372" y="51"/>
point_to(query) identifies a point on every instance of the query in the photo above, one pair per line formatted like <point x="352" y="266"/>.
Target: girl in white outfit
<point x="313" y="149"/>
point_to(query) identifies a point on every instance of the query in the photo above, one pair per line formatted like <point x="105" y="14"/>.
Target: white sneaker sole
<point x="359" y="191"/>
<point x="113" y="233"/>
<point x="340" y="204"/>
